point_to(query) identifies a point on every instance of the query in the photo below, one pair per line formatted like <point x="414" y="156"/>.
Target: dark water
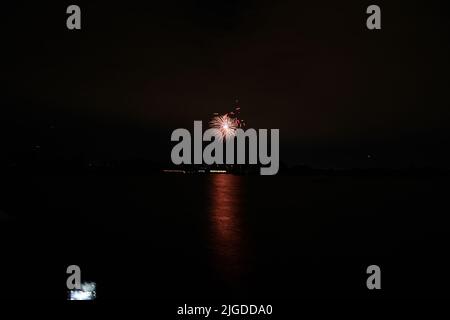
<point x="187" y="237"/>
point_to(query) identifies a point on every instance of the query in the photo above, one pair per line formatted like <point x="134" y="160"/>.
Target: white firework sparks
<point x="87" y="292"/>
<point x="226" y="126"/>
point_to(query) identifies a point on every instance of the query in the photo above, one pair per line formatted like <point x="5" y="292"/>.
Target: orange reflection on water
<point x="226" y="226"/>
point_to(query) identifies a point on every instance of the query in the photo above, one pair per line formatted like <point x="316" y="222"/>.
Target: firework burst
<point x="226" y="126"/>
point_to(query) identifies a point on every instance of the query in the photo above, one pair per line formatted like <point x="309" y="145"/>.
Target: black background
<point x="115" y="90"/>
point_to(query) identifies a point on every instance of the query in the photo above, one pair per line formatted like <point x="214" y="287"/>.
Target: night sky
<point x="136" y="71"/>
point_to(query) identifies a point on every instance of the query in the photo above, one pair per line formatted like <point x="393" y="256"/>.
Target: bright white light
<point x="87" y="292"/>
<point x="80" y="295"/>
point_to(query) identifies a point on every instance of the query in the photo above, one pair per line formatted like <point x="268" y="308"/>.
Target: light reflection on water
<point x="226" y="225"/>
